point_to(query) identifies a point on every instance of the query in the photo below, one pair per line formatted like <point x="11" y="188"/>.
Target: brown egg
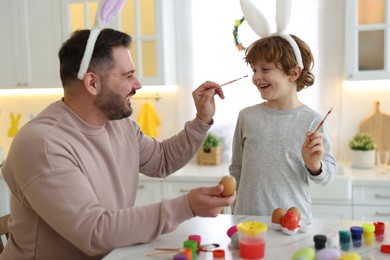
<point x="277" y="215"/>
<point x="296" y="210"/>
<point x="229" y="185"/>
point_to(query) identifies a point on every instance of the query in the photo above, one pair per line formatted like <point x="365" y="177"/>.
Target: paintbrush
<point x="234" y="80"/>
<point x="203" y="248"/>
<point x="227" y="83"/>
<point x="323" y="120"/>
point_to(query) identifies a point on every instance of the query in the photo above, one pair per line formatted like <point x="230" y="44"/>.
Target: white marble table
<point x="278" y="245"/>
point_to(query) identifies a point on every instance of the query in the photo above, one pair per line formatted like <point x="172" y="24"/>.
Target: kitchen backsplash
<point x="355" y="104"/>
<point x="16" y="111"/>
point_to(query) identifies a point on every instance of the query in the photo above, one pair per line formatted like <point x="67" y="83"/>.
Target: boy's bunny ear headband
<point x="261" y="27"/>
<point x="107" y="9"/>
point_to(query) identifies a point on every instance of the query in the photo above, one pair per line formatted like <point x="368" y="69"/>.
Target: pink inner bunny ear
<point x="108" y="10"/>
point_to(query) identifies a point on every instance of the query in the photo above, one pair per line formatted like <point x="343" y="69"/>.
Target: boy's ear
<point x="295" y="73"/>
<point x="91" y="83"/>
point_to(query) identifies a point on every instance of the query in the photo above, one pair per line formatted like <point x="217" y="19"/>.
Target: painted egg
<point x="296" y="210"/>
<point x="307" y="253"/>
<point x="229" y="185"/>
<point x="290" y="223"/>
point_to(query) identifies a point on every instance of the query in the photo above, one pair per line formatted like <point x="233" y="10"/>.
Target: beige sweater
<point x="73" y="185"/>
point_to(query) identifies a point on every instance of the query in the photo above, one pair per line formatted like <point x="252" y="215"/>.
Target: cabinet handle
<point x="382" y="214"/>
<point x="184" y="191"/>
<point x="378" y="196"/>
<point x="141" y="187"/>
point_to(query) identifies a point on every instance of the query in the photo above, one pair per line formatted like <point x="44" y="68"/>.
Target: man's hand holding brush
<point x="204" y="99"/>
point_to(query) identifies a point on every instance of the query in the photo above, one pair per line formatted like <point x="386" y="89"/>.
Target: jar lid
<point x="368" y="227"/>
<point x="196" y="238"/>
<point x="344" y="235"/>
<point x="252" y="228"/>
<point x="379" y="226"/>
<point x="356" y="230"/>
<point x="231" y="231"/>
<point x="219" y="253"/>
<point x="180" y="257"/>
<point x="319" y="241"/>
<point x="385" y="249"/>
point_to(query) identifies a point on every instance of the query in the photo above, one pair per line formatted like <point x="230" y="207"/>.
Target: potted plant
<point x="363" y="150"/>
<point x="210" y="153"/>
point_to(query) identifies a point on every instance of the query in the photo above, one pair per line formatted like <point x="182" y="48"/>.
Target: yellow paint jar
<point x="368" y="234"/>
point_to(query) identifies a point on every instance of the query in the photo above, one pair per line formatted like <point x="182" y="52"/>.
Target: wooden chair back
<point x="3" y="230"/>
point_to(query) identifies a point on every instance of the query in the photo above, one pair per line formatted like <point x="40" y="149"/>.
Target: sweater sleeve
<point x="237" y="153"/>
<point x="329" y="166"/>
<point x="159" y="159"/>
<point x="75" y="190"/>
<point x="67" y="203"/>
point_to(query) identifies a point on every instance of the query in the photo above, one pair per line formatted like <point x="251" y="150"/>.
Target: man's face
<point x="118" y="86"/>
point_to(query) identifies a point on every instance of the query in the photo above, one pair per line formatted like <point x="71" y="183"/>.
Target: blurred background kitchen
<point x="180" y="44"/>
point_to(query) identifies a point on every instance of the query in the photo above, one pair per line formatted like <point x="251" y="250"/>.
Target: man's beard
<point x="112" y="104"/>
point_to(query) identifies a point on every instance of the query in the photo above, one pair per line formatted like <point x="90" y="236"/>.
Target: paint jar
<point x="379" y="231"/>
<point x="368" y="234"/>
<point x="187" y="252"/>
<point x="180" y="257"/>
<point x="356" y="236"/>
<point x="345" y="240"/>
<point x="332" y="240"/>
<point x="251" y="239"/>
<point x="193" y="246"/>
<point x="319" y="242"/>
<point x="197" y="239"/>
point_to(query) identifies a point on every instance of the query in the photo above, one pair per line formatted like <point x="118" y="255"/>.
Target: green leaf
<point x="362" y="141"/>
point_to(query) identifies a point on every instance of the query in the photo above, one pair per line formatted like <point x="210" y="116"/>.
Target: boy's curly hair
<point x="277" y="50"/>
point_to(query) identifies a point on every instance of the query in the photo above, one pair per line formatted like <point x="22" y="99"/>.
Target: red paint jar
<point x="379" y="231"/>
<point x="251" y="239"/>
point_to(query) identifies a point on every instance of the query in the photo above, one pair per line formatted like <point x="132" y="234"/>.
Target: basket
<point x="212" y="157"/>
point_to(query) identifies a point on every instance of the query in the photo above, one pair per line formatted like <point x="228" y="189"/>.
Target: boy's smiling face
<point x="273" y="83"/>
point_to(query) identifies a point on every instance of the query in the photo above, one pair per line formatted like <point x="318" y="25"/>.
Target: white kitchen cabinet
<point x="31" y="38"/>
<point x="149" y="192"/>
<point x="367" y="39"/>
<point x="372" y="213"/>
<point x="371" y="202"/>
<point x="333" y="201"/>
<point x="331" y="210"/>
<point x="151" y="23"/>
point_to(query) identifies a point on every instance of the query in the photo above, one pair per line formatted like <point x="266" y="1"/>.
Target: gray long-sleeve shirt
<point x="267" y="160"/>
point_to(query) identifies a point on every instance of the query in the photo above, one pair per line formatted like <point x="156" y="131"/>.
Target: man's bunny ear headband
<point x="261" y="27"/>
<point x="107" y="9"/>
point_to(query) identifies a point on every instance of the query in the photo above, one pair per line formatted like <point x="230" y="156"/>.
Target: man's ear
<point x="295" y="73"/>
<point x="91" y="83"/>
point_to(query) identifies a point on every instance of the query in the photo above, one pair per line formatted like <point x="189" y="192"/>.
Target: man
<point x="73" y="170"/>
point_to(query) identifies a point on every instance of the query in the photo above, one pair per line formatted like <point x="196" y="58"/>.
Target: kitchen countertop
<point x="278" y="245"/>
<point x="194" y="171"/>
<point x="365" y="176"/>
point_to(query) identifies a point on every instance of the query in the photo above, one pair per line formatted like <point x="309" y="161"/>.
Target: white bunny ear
<point x="283" y="13"/>
<point x="107" y="10"/>
<point x="255" y="18"/>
